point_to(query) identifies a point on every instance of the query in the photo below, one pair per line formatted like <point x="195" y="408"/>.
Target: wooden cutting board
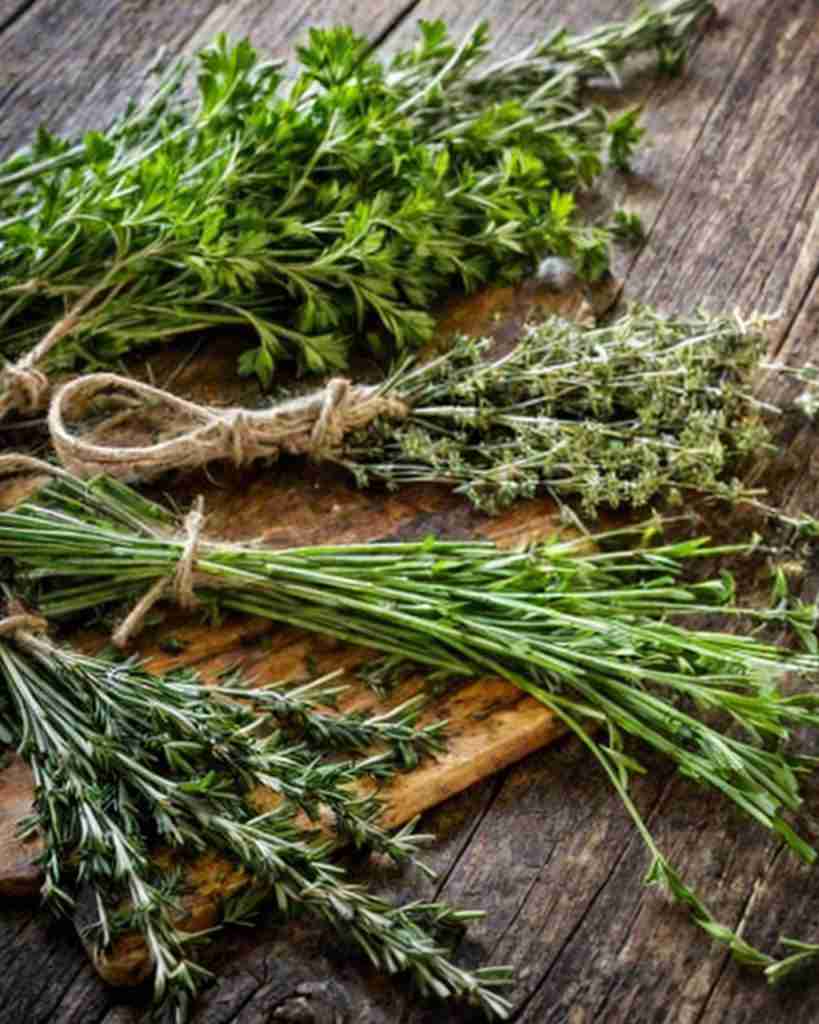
<point x="491" y="724"/>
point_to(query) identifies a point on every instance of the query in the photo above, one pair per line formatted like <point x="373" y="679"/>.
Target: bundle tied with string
<point x="314" y="424"/>
<point x="181" y="583"/>
<point x="26" y="389"/>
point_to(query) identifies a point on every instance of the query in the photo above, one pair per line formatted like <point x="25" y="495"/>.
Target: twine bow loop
<point x="313" y="424"/>
<point x="18" y="621"/>
<point x="23" y="627"/>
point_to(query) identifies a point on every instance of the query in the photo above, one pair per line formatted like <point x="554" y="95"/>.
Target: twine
<point x="24" y="628"/>
<point x="20" y="622"/>
<point x="16" y="462"/>
<point x="314" y="425"/>
<point x="25" y="387"/>
<point x="182" y="581"/>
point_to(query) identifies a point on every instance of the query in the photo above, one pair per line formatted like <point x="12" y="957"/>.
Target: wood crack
<point x="48" y="1003"/>
<point x="626" y="849"/>
<point x="611" y="988"/>
<point x="683" y="172"/>
<point x="800" y="303"/>
<point x="401" y="16"/>
<point x="810" y="287"/>
<point x="496" y="786"/>
<point x="720" y="259"/>
<point x="653" y="95"/>
<point x="513" y="920"/>
<point x="15" y="14"/>
<point x="742" y="918"/>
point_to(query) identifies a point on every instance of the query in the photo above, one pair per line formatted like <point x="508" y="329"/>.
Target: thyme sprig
<point x="648" y="407"/>
<point x="313" y="209"/>
<point x="125" y="761"/>
<point x="598" y="635"/>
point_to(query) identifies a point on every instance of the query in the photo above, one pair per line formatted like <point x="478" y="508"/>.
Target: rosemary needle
<point x="125" y="762"/>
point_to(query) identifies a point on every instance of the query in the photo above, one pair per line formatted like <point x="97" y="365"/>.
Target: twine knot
<point x="238" y="436"/>
<point x="183" y="577"/>
<point x="26" y="388"/>
<point x="314" y="424"/>
<point x="19" y="622"/>
<point x="330" y="427"/>
<point x="181" y="581"/>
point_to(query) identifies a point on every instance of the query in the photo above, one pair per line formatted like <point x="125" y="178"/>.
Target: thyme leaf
<point x="646" y="408"/>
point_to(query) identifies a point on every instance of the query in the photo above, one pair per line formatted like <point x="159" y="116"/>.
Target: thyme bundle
<point x="312" y="211"/>
<point x="125" y="762"/>
<point x="586" y="632"/>
<point x="646" y="408"/>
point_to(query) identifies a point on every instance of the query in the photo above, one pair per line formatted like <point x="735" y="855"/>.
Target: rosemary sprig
<point x="125" y="761"/>
<point x="598" y="636"/>
<point x="311" y="210"/>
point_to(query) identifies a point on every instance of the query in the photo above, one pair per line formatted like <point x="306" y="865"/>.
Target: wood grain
<point x="738" y="229"/>
<point x="10" y="10"/>
<point x="491" y="723"/>
<point x="19" y="875"/>
<point x="74" y="66"/>
<point x="727" y="183"/>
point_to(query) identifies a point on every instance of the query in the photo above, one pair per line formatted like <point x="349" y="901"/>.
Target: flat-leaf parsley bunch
<point x="320" y="209"/>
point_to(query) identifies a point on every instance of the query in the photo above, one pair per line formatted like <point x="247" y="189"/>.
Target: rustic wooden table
<point x="729" y="190"/>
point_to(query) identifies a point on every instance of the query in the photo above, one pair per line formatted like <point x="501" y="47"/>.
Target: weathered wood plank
<point x="588" y="945"/>
<point x="491" y="724"/>
<point x="761" y="253"/>
<point x="276" y="28"/>
<point x="513" y="26"/>
<point x="734" y="230"/>
<point x="73" y="66"/>
<point x="40" y="966"/>
<point x="614" y="954"/>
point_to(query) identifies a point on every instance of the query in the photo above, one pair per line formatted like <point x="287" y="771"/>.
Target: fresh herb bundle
<point x="646" y="408"/>
<point x="312" y="210"/>
<point x="125" y="762"/>
<point x="585" y="631"/>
